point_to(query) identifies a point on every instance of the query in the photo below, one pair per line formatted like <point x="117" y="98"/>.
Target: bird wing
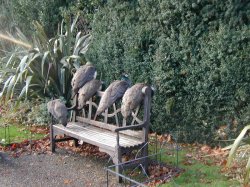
<point x="85" y="75"/>
<point x="82" y="75"/>
<point x="61" y="112"/>
<point x="60" y="109"/>
<point x="136" y="95"/>
<point x="77" y="76"/>
<point x="131" y="99"/>
<point x="115" y="90"/>
<point x="118" y="90"/>
<point x="51" y="107"/>
<point x="103" y="104"/>
<point x="87" y="91"/>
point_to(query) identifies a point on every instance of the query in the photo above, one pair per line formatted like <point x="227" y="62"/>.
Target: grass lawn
<point x="197" y="172"/>
<point x="17" y="133"/>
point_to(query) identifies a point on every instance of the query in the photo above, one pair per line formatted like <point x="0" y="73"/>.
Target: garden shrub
<point x="196" y="54"/>
<point x="39" y="114"/>
<point x="29" y="112"/>
<point x="47" y="12"/>
<point x="86" y="10"/>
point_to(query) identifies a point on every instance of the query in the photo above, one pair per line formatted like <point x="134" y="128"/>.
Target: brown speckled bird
<point x="87" y="91"/>
<point x="131" y="99"/>
<point x="82" y="76"/>
<point x="115" y="91"/>
<point x="58" y="109"/>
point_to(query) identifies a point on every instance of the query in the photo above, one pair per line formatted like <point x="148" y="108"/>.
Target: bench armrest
<point x="131" y="127"/>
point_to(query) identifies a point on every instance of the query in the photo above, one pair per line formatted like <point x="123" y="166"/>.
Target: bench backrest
<point x="112" y="116"/>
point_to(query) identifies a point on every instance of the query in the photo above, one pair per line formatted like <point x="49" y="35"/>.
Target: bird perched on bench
<point x="82" y="76"/>
<point x="58" y="109"/>
<point x="125" y="77"/>
<point x="131" y="99"/>
<point x="114" y="91"/>
<point x="87" y="91"/>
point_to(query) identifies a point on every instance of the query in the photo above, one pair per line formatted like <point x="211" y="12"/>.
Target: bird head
<point x="125" y="77"/>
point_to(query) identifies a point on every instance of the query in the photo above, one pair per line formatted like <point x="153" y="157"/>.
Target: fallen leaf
<point x="223" y="162"/>
<point x="206" y="149"/>
<point x="67" y="181"/>
<point x="71" y="143"/>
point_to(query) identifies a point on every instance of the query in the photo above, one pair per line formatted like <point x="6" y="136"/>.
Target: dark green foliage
<point x="196" y="54"/>
<point x="86" y="10"/>
<point x="47" y="12"/>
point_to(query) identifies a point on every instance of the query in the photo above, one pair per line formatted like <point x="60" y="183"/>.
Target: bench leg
<point x="76" y="143"/>
<point x="145" y="154"/>
<point x="52" y="139"/>
<point x="118" y="168"/>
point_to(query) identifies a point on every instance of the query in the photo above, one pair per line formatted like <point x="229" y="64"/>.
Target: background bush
<point x="26" y="113"/>
<point x="196" y="53"/>
<point x="47" y="12"/>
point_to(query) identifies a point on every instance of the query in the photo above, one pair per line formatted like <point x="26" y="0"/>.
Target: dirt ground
<point x="63" y="168"/>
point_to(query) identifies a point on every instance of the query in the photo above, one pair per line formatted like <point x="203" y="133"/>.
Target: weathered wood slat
<point x="90" y="102"/>
<point x="115" y="112"/>
<point x="90" y="109"/>
<point x="102" y="138"/>
<point x="135" y="118"/>
<point x="105" y="132"/>
<point x="96" y="123"/>
<point x="90" y="130"/>
<point x="110" y="127"/>
<point x="106" y="115"/>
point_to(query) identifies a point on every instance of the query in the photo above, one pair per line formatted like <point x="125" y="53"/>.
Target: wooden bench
<point x="110" y="132"/>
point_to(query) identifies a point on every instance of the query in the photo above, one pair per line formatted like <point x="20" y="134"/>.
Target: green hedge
<point x="24" y="12"/>
<point x="49" y="13"/>
<point x="196" y="54"/>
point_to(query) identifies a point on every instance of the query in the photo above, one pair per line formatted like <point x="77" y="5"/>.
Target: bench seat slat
<point x="125" y="139"/>
<point x="110" y="135"/>
<point x="94" y="135"/>
<point x="137" y="134"/>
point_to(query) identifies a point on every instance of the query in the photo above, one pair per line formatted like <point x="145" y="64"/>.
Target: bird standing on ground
<point x="58" y="109"/>
<point x="87" y="91"/>
<point x="131" y="99"/>
<point x="115" y="91"/>
<point x="82" y="76"/>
